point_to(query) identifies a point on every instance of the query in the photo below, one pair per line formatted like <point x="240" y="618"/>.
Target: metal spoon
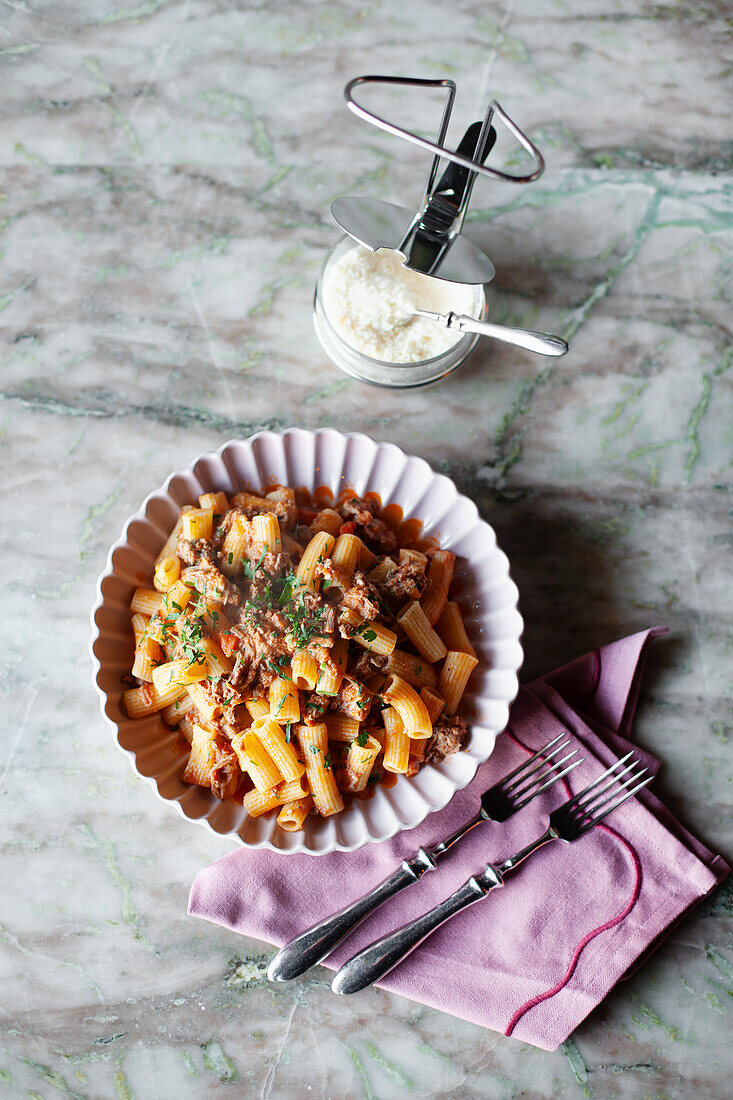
<point x="541" y="342"/>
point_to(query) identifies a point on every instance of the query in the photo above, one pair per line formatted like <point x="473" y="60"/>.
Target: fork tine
<point x="544" y="758"/>
<point x="590" y="811"/>
<point x="604" y="775"/>
<point x="585" y="802"/>
<point x="549" y="783"/>
<point x="537" y="759"/>
<point x="619" y="802"/>
<point x="540" y="776"/>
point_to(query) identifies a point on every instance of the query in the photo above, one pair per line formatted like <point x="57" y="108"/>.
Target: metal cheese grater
<point x="430" y="238"/>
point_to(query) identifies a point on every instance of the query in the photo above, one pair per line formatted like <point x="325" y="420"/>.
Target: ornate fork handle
<point x="376" y="960"/>
<point x="380" y="957"/>
<point x="312" y="946"/>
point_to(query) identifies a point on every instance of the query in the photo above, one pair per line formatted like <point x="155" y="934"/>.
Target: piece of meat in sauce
<point x="313" y="707"/>
<point x="213" y="585"/>
<point x="353" y="699"/>
<point x="333" y="577"/>
<point x="363" y="597"/>
<point x="285" y="510"/>
<point x="380" y="538"/>
<point x="225" y="771"/>
<point x="449" y="733"/>
<point x="319" y="618"/>
<point x="404" y="583"/>
<point x="271" y="567"/>
<point x="234" y="720"/>
<point x="245" y="663"/>
<point x="191" y="552"/>
<point x="368" y="664"/>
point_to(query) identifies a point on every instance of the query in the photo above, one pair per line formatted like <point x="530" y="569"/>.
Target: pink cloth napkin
<point x="534" y="958"/>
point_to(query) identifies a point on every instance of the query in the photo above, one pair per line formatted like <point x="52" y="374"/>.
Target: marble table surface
<point x="166" y="168"/>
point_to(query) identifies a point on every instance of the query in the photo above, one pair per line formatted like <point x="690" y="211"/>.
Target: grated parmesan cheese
<point x="370" y="299"/>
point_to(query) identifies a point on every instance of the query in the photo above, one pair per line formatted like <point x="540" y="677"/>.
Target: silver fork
<point x="568" y="822"/>
<point x="510" y="794"/>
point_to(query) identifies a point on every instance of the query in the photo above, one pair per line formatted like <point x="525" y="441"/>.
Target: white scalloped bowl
<point x="303" y="458"/>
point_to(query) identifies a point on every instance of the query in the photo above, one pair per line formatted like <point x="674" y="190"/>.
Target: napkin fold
<point x="534" y="958"/>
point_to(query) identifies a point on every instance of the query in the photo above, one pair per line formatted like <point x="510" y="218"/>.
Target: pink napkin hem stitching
<point x="583" y="943"/>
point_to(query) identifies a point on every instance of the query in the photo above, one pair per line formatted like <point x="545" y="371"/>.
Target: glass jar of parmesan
<point x="364" y="316"/>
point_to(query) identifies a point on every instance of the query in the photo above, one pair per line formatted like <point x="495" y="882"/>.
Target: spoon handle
<point x="544" y="343"/>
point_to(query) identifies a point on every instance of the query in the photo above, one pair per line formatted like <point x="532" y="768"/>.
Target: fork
<point x="510" y="794"/>
<point x="568" y="822"/>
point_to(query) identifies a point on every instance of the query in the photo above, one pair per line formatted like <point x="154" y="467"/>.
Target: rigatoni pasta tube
<point x="376" y="637"/>
<point x="366" y="557"/>
<point x="266" y="531"/>
<point x="217" y="502"/>
<point x="453" y="631"/>
<point x="251" y="500"/>
<point x="198" y="766"/>
<point x="235" y="546"/>
<point x="283" y="753"/>
<point x="332" y="668"/>
<point x="415" y="556"/>
<point x="208" y="709"/>
<point x="440" y="574"/>
<point x="410" y="707"/>
<point x="414" y="622"/>
<point x="147" y="651"/>
<point x="304" y="670"/>
<point x="454" y="674"/>
<point x="434" y="702"/>
<point x="381" y="571"/>
<point x="346" y="554"/>
<point x="258" y="708"/>
<point x="170" y="546"/>
<point x="216" y="662"/>
<point x="255" y="760"/>
<point x="292" y="816"/>
<point x="167" y="572"/>
<point x="284" y="701"/>
<point x="146" y="601"/>
<point x="176" y="598"/>
<point x="396" y="744"/>
<point x="319" y="548"/>
<point x="181" y="671"/>
<point x="173" y="713"/>
<point x="416" y="670"/>
<point x="146" y="699"/>
<point x="340" y="727"/>
<point x="314" y="743"/>
<point x="359" y="763"/>
<point x="327" y="520"/>
<point x="257" y="802"/>
<point x="417" y="747"/>
<point x="198" y="524"/>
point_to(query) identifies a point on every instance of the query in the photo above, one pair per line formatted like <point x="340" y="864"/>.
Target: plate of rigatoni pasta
<point x="307" y="640"/>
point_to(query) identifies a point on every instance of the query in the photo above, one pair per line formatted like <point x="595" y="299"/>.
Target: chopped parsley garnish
<point x="314" y="749"/>
<point x="288" y="732"/>
<point x="230" y="557"/>
<point x="327" y="761"/>
<point x="367" y="633"/>
<point x="251" y="570"/>
<point x="279" y="668"/>
<point x="361" y="738"/>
